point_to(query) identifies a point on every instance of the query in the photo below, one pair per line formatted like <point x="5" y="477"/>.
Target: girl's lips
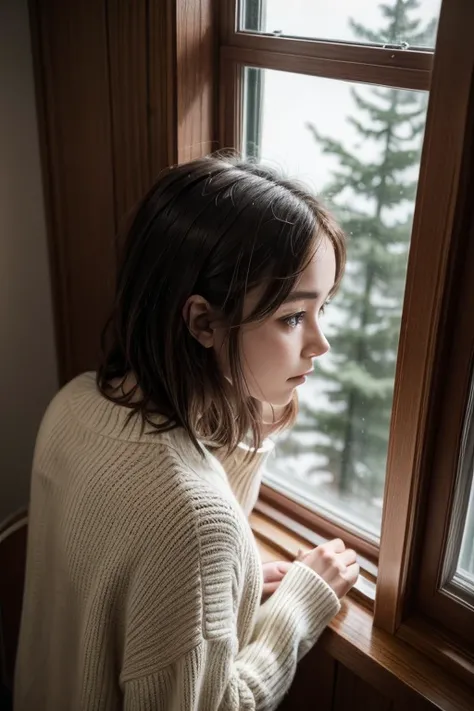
<point x="301" y="377"/>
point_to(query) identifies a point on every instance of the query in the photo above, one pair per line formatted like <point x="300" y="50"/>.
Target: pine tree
<point x="373" y="200"/>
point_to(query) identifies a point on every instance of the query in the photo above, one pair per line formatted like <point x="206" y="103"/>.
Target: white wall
<point x="28" y="377"/>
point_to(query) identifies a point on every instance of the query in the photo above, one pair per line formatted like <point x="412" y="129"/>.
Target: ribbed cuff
<point x="302" y="607"/>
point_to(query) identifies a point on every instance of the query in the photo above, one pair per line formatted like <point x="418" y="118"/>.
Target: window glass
<point x="458" y="574"/>
<point x="465" y="568"/>
<point x="358" y="147"/>
<point x="406" y="23"/>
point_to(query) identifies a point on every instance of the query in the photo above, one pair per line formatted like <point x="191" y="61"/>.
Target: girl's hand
<point x="335" y="564"/>
<point x="273" y="574"/>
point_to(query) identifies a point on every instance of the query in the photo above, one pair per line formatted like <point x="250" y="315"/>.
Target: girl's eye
<point x="322" y="310"/>
<point x="294" y="320"/>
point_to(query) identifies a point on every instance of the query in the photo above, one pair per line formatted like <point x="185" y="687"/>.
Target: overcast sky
<point x="327" y="19"/>
<point x="291" y="100"/>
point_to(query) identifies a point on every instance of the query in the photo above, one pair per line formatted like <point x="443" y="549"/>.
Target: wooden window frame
<point x="436" y="249"/>
<point x="456" y="373"/>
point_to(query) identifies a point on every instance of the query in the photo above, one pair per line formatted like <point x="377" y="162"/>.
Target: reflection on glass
<point x="407" y="23"/>
<point x="458" y="573"/>
<point x="358" y="147"/>
<point x="465" y="568"/>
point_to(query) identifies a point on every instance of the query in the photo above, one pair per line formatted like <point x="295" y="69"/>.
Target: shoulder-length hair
<point x="218" y="228"/>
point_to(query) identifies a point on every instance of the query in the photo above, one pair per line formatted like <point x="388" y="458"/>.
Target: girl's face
<point x="277" y="353"/>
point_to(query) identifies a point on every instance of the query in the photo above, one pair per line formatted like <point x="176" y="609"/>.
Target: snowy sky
<point x="327" y="19"/>
<point x="291" y="100"/>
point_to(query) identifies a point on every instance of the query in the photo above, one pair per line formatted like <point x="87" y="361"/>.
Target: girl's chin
<point x="280" y="400"/>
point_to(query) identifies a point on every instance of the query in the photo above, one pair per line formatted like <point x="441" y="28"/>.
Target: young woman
<point x="144" y="584"/>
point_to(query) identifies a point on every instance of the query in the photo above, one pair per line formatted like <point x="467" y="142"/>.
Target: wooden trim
<point x="318" y="524"/>
<point x="335" y="51"/>
<point x="161" y="51"/>
<point x="427" y="639"/>
<point x="391" y="665"/>
<point x="128" y="75"/>
<point x="288" y="543"/>
<point x="433" y="249"/>
<point x="227" y="21"/>
<point x="196" y="64"/>
<point x="230" y="107"/>
<point x="388" y="663"/>
<point x="456" y="372"/>
<point x="329" y="68"/>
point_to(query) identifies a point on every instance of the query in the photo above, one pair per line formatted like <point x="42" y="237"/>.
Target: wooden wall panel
<point x="323" y="684"/>
<point x="352" y="693"/>
<point x="127" y="30"/>
<point x="314" y="683"/>
<point x="124" y="90"/>
<point x="197" y="77"/>
<point x="70" y="57"/>
<point x="162" y="84"/>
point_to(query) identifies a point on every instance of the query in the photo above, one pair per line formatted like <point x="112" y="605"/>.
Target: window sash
<point x="437" y="595"/>
<point x="399" y="77"/>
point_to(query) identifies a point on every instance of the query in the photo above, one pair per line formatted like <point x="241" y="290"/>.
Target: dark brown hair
<point x="218" y="228"/>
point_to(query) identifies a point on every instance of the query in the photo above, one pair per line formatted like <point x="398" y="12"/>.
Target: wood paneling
<point x="127" y="34"/>
<point x="323" y="684"/>
<point x="161" y="84"/>
<point x="197" y="78"/>
<point x="124" y="89"/>
<point x="314" y="683"/>
<point x="351" y="692"/>
<point x="75" y="120"/>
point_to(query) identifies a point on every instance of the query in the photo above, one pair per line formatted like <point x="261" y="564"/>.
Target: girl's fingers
<point x="348" y="557"/>
<point x="283" y="567"/>
<point x="336" y="545"/>
<point x="270" y="588"/>
<point x="275" y="571"/>
<point x="352" y="573"/>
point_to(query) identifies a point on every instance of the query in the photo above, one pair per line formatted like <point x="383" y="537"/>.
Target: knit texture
<point x="143" y="579"/>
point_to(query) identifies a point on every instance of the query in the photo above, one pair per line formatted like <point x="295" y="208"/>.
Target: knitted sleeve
<point x="207" y="644"/>
<point x="215" y="675"/>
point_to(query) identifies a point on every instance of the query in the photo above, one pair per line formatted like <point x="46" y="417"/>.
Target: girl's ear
<point x="199" y="318"/>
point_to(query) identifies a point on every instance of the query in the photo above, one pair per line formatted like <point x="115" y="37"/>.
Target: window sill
<point x="392" y="666"/>
<point x="276" y="531"/>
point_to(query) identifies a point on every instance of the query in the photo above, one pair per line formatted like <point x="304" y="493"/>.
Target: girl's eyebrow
<point x="297" y="295"/>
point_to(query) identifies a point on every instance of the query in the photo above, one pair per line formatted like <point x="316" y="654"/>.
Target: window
<point x="356" y="143"/>
<point x="354" y="104"/>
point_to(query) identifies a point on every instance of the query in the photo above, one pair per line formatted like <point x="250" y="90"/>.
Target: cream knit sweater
<point x="143" y="579"/>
